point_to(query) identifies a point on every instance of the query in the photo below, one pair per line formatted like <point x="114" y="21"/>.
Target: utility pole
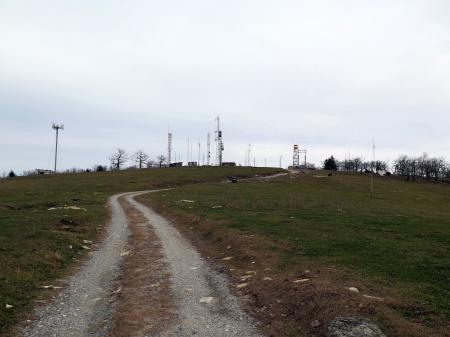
<point x="57" y="127"/>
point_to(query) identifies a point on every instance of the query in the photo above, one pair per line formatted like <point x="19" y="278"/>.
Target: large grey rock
<point x="353" y="327"/>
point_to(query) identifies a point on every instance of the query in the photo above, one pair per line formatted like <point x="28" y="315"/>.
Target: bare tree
<point x="140" y="157"/>
<point x="161" y="159"/>
<point x="118" y="159"/>
<point x="150" y="163"/>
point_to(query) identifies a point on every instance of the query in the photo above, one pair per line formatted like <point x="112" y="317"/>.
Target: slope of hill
<point x="322" y="247"/>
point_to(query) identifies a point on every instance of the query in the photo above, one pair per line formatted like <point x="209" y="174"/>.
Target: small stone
<point x="315" y="324"/>
<point x="242" y="285"/>
<point x="86" y="247"/>
<point x="9" y="306"/>
<point x="267" y="279"/>
<point x="246" y="277"/>
<point x="353" y="289"/>
<point x="303" y="280"/>
<point x="375" y="298"/>
<point x="228" y="258"/>
<point x="206" y="299"/>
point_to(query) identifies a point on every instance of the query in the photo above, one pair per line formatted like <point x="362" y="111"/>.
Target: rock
<point x="228" y="258"/>
<point x="8" y="306"/>
<point x="353" y="327"/>
<point x="315" y="324"/>
<point x="353" y="289"/>
<point x="303" y="280"/>
<point x="242" y="285"/>
<point x="267" y="278"/>
<point x="246" y="277"/>
<point x="375" y="298"/>
<point x="206" y="299"/>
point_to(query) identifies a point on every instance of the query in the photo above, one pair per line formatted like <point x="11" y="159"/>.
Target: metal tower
<point x="57" y="127"/>
<point x="169" y="148"/>
<point x="219" y="143"/>
<point x="296" y="157"/>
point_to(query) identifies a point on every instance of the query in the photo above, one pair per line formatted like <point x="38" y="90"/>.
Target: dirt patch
<point x="144" y="300"/>
<point x="297" y="299"/>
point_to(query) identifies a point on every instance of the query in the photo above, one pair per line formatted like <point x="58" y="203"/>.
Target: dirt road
<point x="204" y="306"/>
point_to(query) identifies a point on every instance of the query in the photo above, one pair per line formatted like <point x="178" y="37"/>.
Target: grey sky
<point x="328" y="75"/>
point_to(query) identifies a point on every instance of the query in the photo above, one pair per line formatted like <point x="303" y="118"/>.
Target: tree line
<point x="411" y="168"/>
<point x="141" y="159"/>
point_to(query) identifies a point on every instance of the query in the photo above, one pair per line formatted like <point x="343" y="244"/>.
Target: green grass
<point x="35" y="242"/>
<point x="400" y="238"/>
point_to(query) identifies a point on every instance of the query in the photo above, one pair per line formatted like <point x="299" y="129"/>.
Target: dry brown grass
<point x="144" y="305"/>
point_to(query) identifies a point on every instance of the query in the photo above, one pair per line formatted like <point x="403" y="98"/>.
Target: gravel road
<point x="85" y="306"/>
<point x="192" y="280"/>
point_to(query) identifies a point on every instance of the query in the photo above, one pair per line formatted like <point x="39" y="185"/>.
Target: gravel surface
<point x="192" y="280"/>
<point x="83" y="307"/>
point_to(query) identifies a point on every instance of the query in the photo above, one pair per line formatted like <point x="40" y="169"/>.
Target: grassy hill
<point x="37" y="245"/>
<point x="394" y="246"/>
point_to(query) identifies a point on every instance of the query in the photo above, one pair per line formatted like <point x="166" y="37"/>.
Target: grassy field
<point x="399" y="239"/>
<point x="37" y="245"/>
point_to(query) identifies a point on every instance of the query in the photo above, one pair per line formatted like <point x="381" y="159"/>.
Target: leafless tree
<point x="118" y="159"/>
<point x="161" y="159"/>
<point x="150" y="163"/>
<point x="140" y="157"/>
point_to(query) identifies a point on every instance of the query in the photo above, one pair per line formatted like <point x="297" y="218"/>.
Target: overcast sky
<point x="328" y="75"/>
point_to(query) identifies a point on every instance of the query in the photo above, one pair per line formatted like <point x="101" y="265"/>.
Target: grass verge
<point x="393" y="247"/>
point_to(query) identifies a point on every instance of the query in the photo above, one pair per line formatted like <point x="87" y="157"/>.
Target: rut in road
<point x="85" y="307"/>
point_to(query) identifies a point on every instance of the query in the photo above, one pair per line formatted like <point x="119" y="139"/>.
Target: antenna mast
<point x="199" y="152"/>
<point x="57" y="127"/>
<point x="219" y="143"/>
<point x="169" y="148"/>
<point x="208" y="149"/>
